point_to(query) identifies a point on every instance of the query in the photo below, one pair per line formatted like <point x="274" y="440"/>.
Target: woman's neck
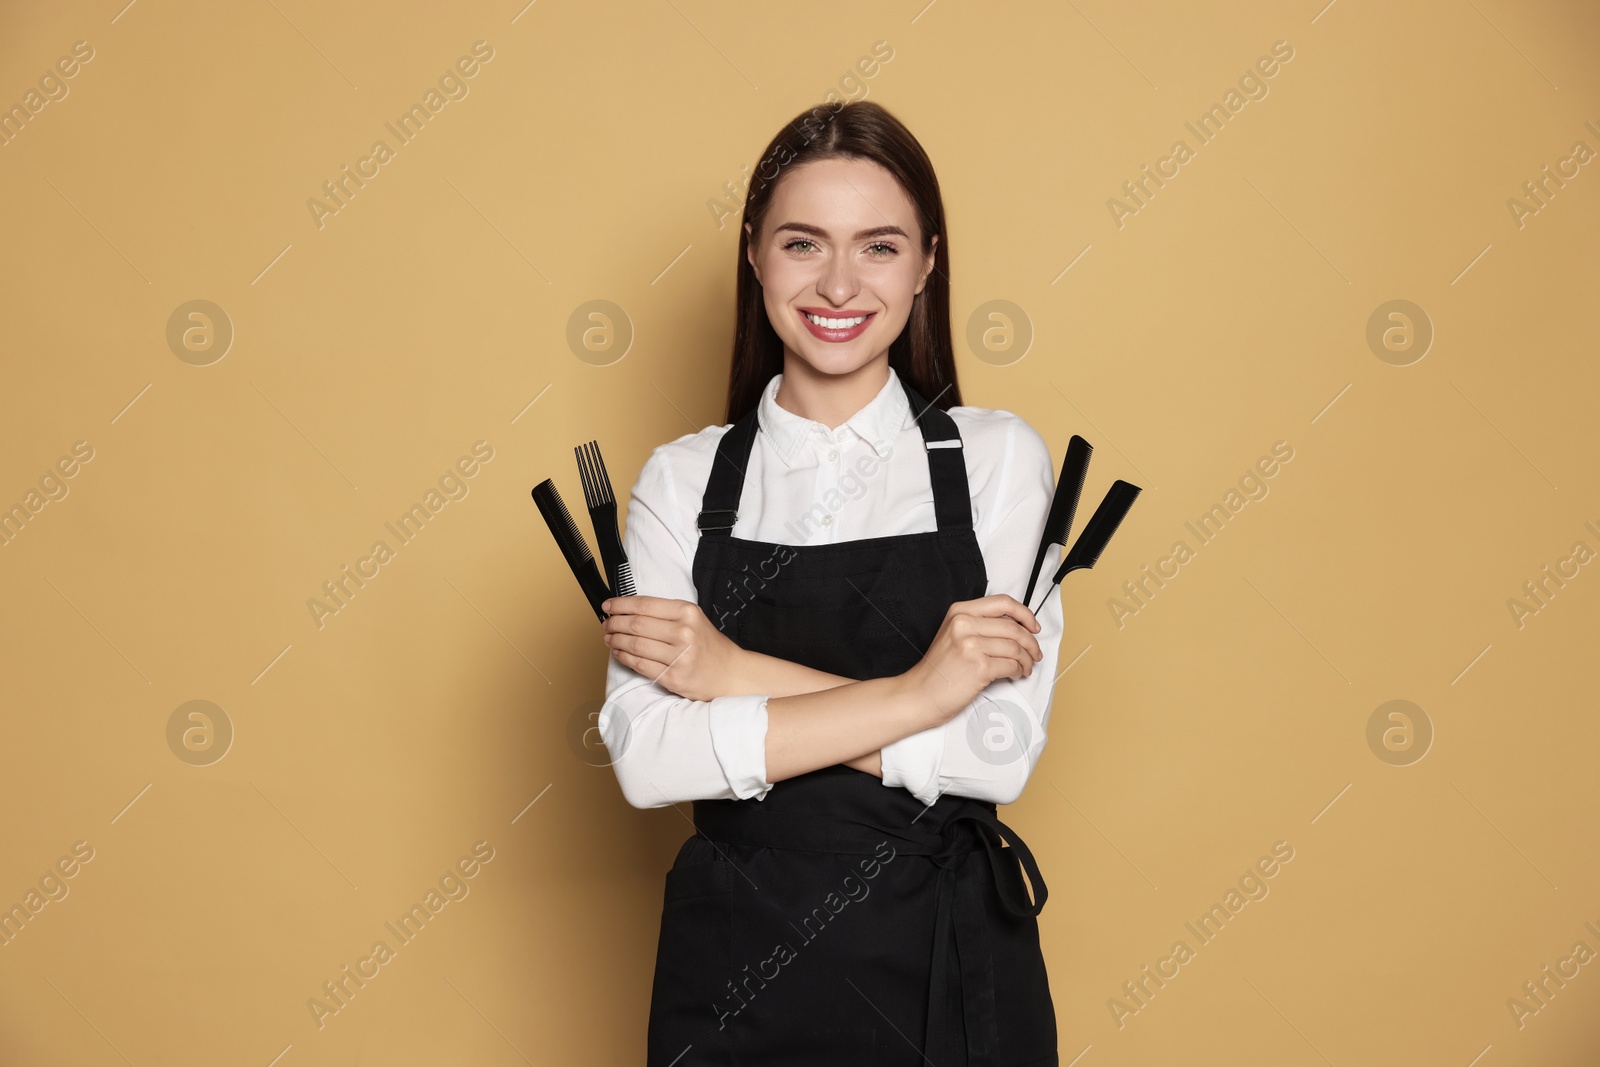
<point x="830" y="398"/>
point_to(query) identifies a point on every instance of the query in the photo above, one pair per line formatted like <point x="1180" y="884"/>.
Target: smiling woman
<point x="864" y="627"/>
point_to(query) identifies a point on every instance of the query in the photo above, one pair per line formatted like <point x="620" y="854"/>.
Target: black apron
<point x="839" y="921"/>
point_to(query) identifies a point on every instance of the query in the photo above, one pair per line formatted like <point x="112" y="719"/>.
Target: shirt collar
<point x="878" y="423"/>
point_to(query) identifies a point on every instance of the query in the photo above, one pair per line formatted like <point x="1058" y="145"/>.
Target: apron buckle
<point x="701" y="523"/>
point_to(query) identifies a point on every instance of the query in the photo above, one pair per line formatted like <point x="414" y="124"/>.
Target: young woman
<point x="828" y="657"/>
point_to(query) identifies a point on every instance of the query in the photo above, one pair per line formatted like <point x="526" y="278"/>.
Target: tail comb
<point x="1085" y="551"/>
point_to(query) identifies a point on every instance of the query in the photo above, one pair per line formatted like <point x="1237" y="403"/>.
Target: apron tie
<point x="961" y="1023"/>
<point x="960" y="946"/>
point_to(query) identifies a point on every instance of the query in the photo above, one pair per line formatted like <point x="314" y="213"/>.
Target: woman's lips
<point x="837" y="336"/>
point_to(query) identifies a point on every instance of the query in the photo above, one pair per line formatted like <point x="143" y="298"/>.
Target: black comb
<point x="602" y="504"/>
<point x="1063" y="505"/>
<point x="1085" y="551"/>
<point x="572" y="545"/>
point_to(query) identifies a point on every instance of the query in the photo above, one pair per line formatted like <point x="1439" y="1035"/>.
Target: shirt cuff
<point x="738" y="727"/>
<point x="913" y="763"/>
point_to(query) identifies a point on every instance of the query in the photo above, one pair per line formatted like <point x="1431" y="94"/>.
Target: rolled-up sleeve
<point x="989" y="749"/>
<point x="666" y="748"/>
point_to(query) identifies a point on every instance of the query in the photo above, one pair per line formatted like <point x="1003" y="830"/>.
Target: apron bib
<point x="839" y="921"/>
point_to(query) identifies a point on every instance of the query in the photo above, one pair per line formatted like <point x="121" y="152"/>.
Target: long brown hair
<point x="922" y="355"/>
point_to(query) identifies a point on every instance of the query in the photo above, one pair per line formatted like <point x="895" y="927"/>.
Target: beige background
<point x="434" y="710"/>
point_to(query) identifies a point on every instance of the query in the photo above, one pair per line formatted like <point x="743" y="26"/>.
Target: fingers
<point x="1007" y="658"/>
<point x="644" y="648"/>
<point x="998" y="605"/>
<point x="650" y="668"/>
<point x="635" y="605"/>
<point x="659" y="606"/>
<point x="1004" y="627"/>
<point x="667" y="629"/>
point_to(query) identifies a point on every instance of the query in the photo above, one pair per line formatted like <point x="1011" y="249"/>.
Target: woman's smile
<point x="837" y="326"/>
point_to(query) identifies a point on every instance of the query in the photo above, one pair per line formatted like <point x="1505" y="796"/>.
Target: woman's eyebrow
<point x="861" y="235"/>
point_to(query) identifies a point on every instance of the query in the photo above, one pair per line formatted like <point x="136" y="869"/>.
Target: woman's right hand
<point x="979" y="641"/>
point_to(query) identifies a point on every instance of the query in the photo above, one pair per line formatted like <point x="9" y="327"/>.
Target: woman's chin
<point x="835" y="360"/>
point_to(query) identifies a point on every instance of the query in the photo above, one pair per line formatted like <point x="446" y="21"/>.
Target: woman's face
<point x="840" y="243"/>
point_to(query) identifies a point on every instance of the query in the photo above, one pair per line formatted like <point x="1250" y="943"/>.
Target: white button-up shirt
<point x="807" y="484"/>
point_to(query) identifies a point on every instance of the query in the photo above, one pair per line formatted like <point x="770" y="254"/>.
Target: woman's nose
<point x="838" y="281"/>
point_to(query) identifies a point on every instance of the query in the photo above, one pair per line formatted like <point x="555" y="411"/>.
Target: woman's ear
<point x="927" y="268"/>
<point x="750" y="251"/>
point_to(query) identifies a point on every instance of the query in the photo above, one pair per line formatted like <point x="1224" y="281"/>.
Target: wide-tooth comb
<point x="602" y="504"/>
<point x="1085" y="551"/>
<point x="572" y="545"/>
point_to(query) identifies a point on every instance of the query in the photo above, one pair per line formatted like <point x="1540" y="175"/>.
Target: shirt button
<point x="827" y="520"/>
<point x="832" y="455"/>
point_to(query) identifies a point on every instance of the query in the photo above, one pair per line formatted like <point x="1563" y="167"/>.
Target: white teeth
<point x="835" y="324"/>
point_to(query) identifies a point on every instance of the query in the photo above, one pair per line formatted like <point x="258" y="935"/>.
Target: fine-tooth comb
<point x="572" y="545"/>
<point x="602" y="504"/>
<point x="1063" y="504"/>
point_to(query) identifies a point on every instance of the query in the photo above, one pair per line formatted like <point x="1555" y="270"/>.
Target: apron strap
<point x="961" y="1024"/>
<point x="941" y="440"/>
<point x="719" y="508"/>
<point x="947" y="464"/>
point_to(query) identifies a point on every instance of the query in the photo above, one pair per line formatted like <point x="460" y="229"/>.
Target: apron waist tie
<point x="961" y="979"/>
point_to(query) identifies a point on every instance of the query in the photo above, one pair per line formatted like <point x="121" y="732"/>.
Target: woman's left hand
<point x="673" y="643"/>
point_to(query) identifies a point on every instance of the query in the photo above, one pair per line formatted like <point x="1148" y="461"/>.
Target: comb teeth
<point x="605" y="476"/>
<point x="625" y="579"/>
<point x="592" y="472"/>
<point x="572" y="545"/>
<point x="602" y="505"/>
<point x="559" y="519"/>
<point x="1077" y="472"/>
<point x="1103" y="524"/>
<point x="1063" y="505"/>
<point x="1091" y="558"/>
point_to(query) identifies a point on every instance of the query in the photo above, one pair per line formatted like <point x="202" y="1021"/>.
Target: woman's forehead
<point x="841" y="195"/>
